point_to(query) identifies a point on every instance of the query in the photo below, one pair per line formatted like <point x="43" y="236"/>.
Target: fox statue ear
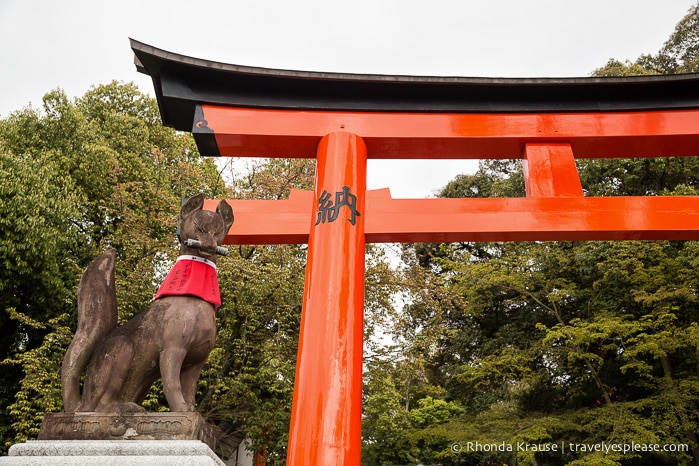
<point x="225" y="210"/>
<point x="193" y="204"/>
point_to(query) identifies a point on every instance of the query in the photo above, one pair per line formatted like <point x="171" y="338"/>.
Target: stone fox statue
<point x="172" y="339"/>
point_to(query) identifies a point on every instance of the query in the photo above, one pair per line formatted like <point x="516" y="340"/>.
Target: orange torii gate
<point x="342" y="120"/>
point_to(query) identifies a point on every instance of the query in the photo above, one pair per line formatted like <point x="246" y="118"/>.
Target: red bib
<point x="192" y="275"/>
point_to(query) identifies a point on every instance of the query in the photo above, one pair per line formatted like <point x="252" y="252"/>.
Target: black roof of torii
<point x="181" y="83"/>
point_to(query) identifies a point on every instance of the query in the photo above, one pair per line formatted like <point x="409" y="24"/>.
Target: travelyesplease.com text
<point x="563" y="447"/>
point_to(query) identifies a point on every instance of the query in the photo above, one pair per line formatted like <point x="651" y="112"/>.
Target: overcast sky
<point x="74" y="44"/>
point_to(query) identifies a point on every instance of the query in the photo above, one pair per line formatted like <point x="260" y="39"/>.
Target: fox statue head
<point x="201" y="232"/>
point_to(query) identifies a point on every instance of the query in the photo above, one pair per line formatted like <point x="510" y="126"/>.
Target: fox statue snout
<point x="170" y="340"/>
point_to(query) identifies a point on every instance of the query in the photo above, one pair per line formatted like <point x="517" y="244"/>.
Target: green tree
<point x="563" y="341"/>
<point x="679" y="54"/>
<point x="78" y="177"/>
<point x="40" y="253"/>
<point x="386" y="423"/>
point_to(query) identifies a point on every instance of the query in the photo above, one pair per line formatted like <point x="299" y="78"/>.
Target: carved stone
<point x="127" y="426"/>
<point x="111" y="453"/>
<point x="170" y="340"/>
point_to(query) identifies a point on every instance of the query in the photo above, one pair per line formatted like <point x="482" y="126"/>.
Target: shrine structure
<point x="344" y="119"/>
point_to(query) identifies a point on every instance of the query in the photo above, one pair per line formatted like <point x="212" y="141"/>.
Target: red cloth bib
<point x="192" y="275"/>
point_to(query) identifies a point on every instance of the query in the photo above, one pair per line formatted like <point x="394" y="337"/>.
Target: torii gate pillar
<point x="330" y="342"/>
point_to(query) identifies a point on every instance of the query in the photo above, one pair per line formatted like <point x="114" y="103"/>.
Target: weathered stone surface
<point x="170" y="340"/>
<point x="127" y="426"/>
<point x="111" y="452"/>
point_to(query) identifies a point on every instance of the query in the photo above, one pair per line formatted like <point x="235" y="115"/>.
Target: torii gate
<point x="344" y="119"/>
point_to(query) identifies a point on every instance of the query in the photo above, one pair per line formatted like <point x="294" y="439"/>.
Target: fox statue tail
<point x="97" y="316"/>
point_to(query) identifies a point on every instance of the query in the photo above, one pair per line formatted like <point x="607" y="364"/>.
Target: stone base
<point x="111" y="453"/>
<point x="127" y="426"/>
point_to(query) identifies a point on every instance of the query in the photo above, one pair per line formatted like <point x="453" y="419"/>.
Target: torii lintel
<point x="391" y="220"/>
<point x="243" y="111"/>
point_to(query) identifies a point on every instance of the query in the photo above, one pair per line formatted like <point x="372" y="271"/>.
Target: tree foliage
<point x="76" y="178"/>
<point x="101" y="171"/>
<point x="547" y="343"/>
<point x="679" y="54"/>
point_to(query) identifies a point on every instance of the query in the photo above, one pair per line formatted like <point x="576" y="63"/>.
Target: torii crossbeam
<point x="342" y="120"/>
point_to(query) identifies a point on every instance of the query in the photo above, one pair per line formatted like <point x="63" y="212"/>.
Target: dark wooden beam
<point x="182" y="82"/>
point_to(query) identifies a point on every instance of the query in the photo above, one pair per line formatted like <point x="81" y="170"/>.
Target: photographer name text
<point x="604" y="447"/>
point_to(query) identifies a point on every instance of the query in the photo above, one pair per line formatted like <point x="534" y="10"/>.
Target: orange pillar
<point x="326" y="413"/>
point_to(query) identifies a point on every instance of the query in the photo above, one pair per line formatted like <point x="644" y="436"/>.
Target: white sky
<point x="74" y="44"/>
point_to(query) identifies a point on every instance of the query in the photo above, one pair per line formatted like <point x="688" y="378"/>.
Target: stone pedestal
<point x="119" y="439"/>
<point x="127" y="426"/>
<point x="111" y="453"/>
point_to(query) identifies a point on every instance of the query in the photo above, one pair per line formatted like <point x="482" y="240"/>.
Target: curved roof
<point x="182" y="82"/>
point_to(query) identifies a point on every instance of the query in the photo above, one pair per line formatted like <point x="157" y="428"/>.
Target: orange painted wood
<point x="285" y="221"/>
<point x="550" y="171"/>
<point x="532" y="219"/>
<point x="506" y="219"/>
<point x="326" y="412"/>
<point x="296" y="133"/>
